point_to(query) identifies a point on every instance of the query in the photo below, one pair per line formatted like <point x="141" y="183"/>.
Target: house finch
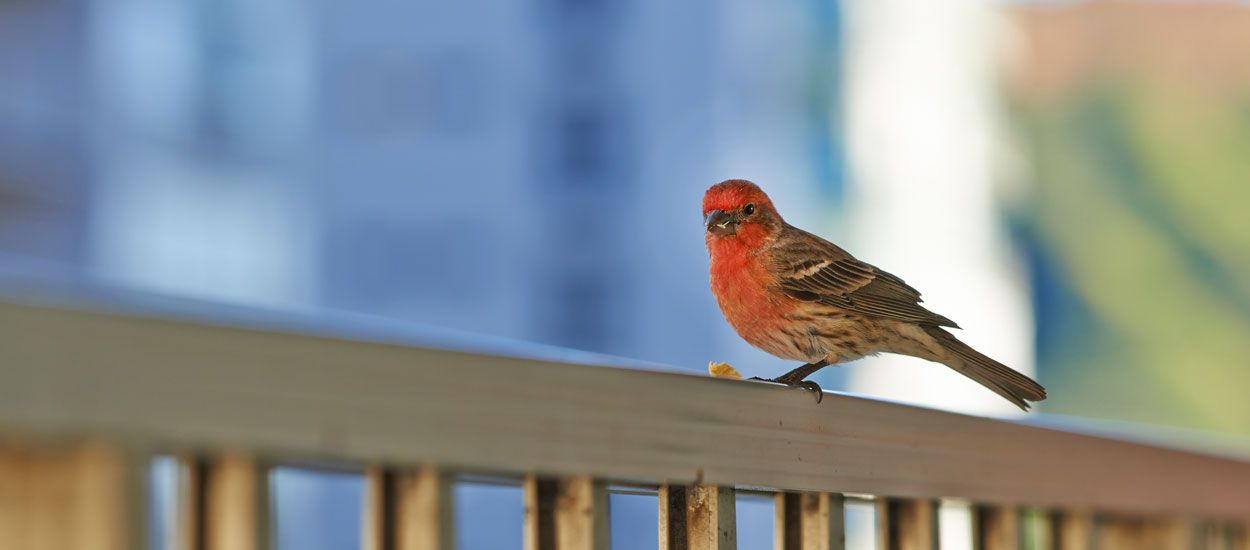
<point x="800" y="297"/>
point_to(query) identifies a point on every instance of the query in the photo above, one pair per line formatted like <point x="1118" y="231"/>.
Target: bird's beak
<point x="720" y="222"/>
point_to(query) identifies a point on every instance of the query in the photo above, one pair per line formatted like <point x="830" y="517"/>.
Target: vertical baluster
<point x="409" y="510"/>
<point x="1239" y="536"/>
<point x="1119" y="533"/>
<point x="996" y="528"/>
<point x="225" y="503"/>
<point x="71" y="498"/>
<point x="189" y="528"/>
<point x="1236" y="536"/>
<point x="907" y="524"/>
<point x="424" y="511"/>
<point x="1072" y="530"/>
<point x="711" y="518"/>
<point x="697" y="518"/>
<point x="1174" y="533"/>
<point x="674" y="534"/>
<point x="1204" y="535"/>
<point x="1210" y="535"/>
<point x="582" y="515"/>
<point x="1226" y="534"/>
<point x="567" y="514"/>
<point x="788" y="521"/>
<point x="1165" y="533"/>
<point x="379" y="523"/>
<point x="809" y="521"/>
<point x="540" y="513"/>
<point x="824" y="521"/>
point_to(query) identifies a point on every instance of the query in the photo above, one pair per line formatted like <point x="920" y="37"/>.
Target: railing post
<point x="904" y="524"/>
<point x="1240" y="536"/>
<point x="570" y="514"/>
<point x="1116" y="533"/>
<point x="1072" y="530"/>
<point x="224" y="503"/>
<point x="1178" y="533"/>
<point x="409" y="510"/>
<point x="712" y="518"/>
<point x="1212" y="535"/>
<point x="995" y="528"/>
<point x="85" y="497"/>
<point x="674" y="534"/>
<point x="788" y="521"/>
<point x="697" y="518"/>
<point x="809" y="521"/>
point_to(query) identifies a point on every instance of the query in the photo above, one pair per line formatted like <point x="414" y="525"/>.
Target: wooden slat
<point x="1173" y="533"/>
<point x="788" y="521"/>
<point x="1216" y="535"/>
<point x="809" y="521"/>
<point x="697" y="517"/>
<point x="711" y="518"/>
<point x="673" y="502"/>
<point x="540" y="513"/>
<point x="226" y="503"/>
<point x="906" y="524"/>
<point x="582" y="515"/>
<point x="566" y="514"/>
<point x="378" y="524"/>
<point x="1036" y="528"/>
<point x="1239" y="536"/>
<point x="79" y="497"/>
<point x="996" y="528"/>
<point x="1224" y="535"/>
<point x="1119" y="534"/>
<point x="409" y="510"/>
<point x="189" y="509"/>
<point x="370" y="402"/>
<point x="1129" y="533"/>
<point x="1072" y="530"/>
<point x="824" y="521"/>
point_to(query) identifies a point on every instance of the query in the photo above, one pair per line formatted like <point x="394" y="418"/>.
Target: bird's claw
<point x="813" y="387"/>
<point x="804" y="384"/>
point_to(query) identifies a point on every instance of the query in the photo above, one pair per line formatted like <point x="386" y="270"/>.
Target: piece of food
<point x="723" y="370"/>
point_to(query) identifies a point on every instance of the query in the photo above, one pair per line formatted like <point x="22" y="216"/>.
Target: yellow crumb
<point x="723" y="370"/>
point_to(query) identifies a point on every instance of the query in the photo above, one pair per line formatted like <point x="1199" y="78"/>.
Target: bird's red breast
<point x="741" y="283"/>
<point x="740" y="276"/>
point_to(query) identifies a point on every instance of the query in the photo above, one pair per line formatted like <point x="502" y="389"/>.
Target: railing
<point x="88" y="396"/>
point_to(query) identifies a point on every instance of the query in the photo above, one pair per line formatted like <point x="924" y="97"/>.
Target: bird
<point x="800" y="297"/>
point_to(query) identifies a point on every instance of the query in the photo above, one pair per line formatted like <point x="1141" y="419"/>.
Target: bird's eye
<point x="748" y="209"/>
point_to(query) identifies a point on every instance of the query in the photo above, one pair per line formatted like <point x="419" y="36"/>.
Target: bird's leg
<point x="795" y="378"/>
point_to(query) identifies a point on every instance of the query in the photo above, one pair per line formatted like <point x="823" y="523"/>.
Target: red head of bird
<point x="738" y="215"/>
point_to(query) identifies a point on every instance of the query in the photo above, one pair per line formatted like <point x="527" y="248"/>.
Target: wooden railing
<point x="89" y="395"/>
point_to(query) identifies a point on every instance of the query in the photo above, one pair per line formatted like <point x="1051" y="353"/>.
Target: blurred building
<point x="1134" y="128"/>
<point x="45" y="105"/>
<point x="529" y="169"/>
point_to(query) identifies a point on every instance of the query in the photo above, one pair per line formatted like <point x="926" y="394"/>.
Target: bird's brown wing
<point x="812" y="269"/>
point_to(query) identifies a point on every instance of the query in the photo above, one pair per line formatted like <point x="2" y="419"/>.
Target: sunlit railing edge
<point x="242" y="398"/>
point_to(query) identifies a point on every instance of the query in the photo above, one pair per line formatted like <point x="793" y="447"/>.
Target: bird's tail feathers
<point x="999" y="378"/>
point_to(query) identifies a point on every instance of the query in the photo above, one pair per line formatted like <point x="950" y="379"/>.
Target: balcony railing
<point x="89" y="394"/>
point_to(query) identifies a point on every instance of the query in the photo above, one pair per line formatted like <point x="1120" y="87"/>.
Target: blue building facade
<point x="527" y="169"/>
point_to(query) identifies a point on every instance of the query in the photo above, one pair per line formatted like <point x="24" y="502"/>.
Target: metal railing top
<point x="299" y="392"/>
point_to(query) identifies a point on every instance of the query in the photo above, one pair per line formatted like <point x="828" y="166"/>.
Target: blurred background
<point x="1068" y="180"/>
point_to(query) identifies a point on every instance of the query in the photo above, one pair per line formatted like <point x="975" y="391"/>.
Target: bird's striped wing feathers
<point x="811" y="269"/>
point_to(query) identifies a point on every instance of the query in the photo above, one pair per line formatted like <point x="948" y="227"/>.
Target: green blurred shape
<point x="1140" y="197"/>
